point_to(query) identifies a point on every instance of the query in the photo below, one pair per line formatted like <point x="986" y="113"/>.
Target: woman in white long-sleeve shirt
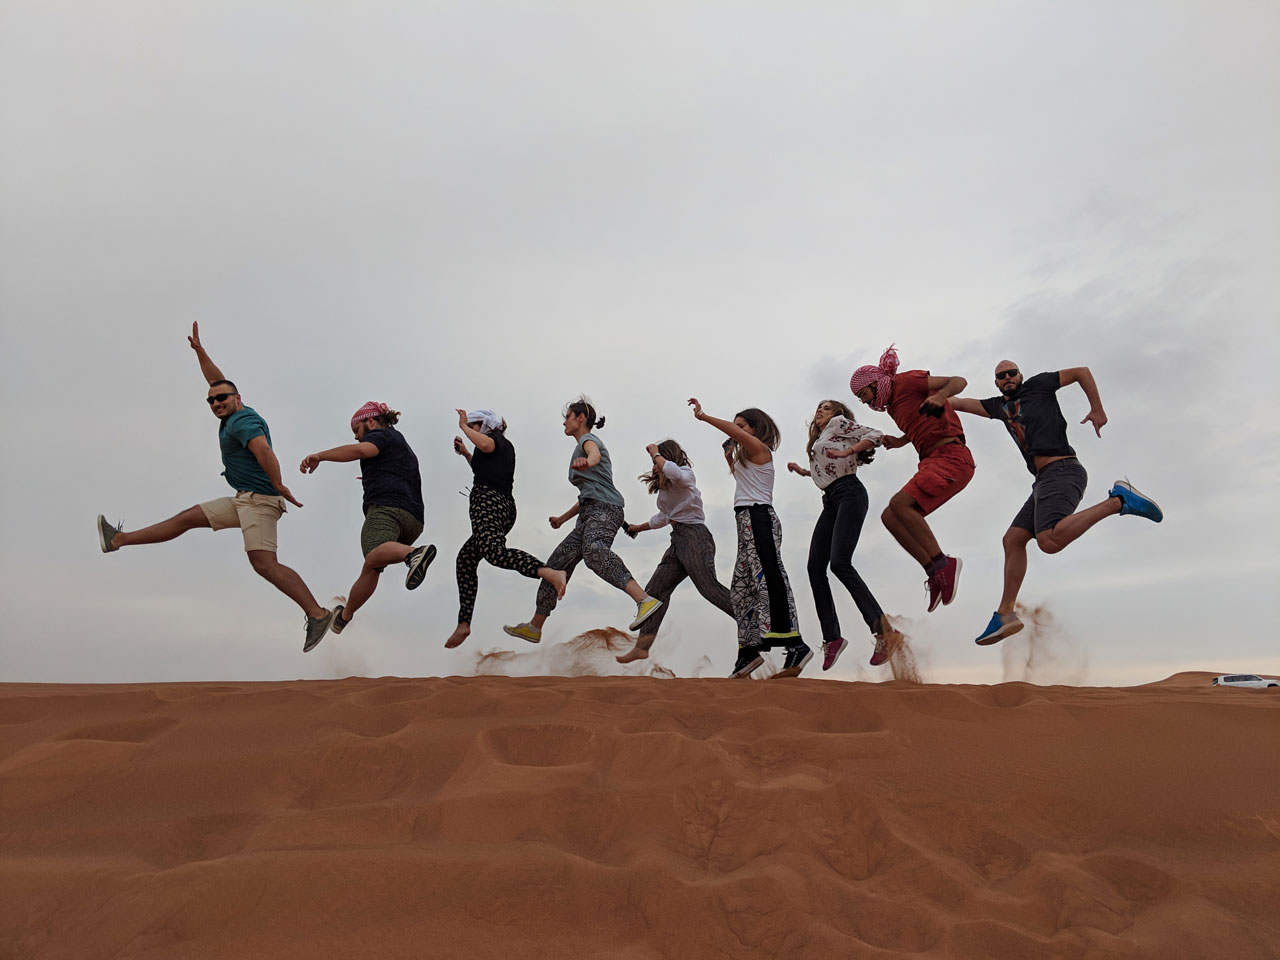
<point x="837" y="442"/>
<point x="692" y="552"/>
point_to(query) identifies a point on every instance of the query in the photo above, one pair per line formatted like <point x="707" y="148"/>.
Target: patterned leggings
<point x="590" y="542"/>
<point x="493" y="514"/>
<point x="762" y="599"/>
<point x="692" y="554"/>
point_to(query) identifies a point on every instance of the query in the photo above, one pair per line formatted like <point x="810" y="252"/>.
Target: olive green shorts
<point x="388" y="525"/>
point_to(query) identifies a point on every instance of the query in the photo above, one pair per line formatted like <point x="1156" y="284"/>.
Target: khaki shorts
<point x="254" y="513"/>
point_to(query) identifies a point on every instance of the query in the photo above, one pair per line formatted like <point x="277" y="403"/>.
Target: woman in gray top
<point x="599" y="513"/>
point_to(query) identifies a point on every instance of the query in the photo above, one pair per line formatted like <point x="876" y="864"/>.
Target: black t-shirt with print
<point x="496" y="469"/>
<point x="1033" y="418"/>
<point x="391" y="479"/>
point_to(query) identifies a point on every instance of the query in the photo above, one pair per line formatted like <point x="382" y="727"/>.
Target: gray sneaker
<point x="107" y="534"/>
<point x="317" y="627"/>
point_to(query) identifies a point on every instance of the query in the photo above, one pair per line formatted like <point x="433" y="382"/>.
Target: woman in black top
<point x="493" y="514"/>
<point x="393" y="513"/>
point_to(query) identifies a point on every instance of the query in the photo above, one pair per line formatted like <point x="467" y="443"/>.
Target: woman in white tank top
<point x="763" y="603"/>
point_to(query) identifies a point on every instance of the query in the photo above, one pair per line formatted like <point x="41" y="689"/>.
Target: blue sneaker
<point x="1133" y="502"/>
<point x="999" y="628"/>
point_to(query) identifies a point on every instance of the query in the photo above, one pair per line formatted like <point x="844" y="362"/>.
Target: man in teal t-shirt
<point x="251" y="468"/>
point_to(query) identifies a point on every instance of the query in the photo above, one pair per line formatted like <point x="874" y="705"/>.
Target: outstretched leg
<point x="1071" y="528"/>
<point x="668" y="575"/>
<point x="1015" y="567"/>
<point x="175" y="526"/>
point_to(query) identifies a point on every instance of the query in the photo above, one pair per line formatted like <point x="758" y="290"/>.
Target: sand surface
<point x="638" y="817"/>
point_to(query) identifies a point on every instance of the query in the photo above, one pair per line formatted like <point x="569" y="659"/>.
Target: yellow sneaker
<point x="644" y="610"/>
<point x="525" y="631"/>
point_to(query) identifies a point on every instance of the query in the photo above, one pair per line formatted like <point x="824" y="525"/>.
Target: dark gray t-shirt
<point x="391" y="479"/>
<point x="1033" y="418"/>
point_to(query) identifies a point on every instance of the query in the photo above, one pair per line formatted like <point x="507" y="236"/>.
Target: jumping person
<point x="1030" y="412"/>
<point x="837" y="444"/>
<point x="251" y="468"/>
<point x="599" y="513"/>
<point x="918" y="404"/>
<point x="393" y="511"/>
<point x="762" y="600"/>
<point x="692" y="552"/>
<point x="493" y="514"/>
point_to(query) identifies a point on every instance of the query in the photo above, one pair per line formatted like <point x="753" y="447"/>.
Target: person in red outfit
<point x="917" y="402"/>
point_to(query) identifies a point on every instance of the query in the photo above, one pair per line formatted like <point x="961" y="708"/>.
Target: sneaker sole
<point x="102" y="535"/>
<point x="748" y="669"/>
<point x="336" y="626"/>
<point x="520" y="636"/>
<point x="418" y="572"/>
<point x="641" y="619"/>
<point x="793" y="671"/>
<point x="955" y="583"/>
<point x="1008" y="630"/>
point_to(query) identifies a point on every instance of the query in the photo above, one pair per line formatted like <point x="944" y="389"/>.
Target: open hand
<point x="462" y="416"/>
<point x="697" y="408"/>
<point x="285" y="492"/>
<point x="194" y="339"/>
<point x="1098" y="419"/>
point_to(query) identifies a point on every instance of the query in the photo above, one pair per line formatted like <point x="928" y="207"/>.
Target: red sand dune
<point x="638" y="818"/>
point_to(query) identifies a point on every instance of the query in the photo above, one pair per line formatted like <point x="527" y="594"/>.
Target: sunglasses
<point x="218" y="397"/>
<point x="1010" y="374"/>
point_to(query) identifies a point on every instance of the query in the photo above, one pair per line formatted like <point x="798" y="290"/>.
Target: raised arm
<point x="969" y="405"/>
<point x="343" y="454"/>
<point x="1084" y="376"/>
<point x="266" y="458"/>
<point x="754" y="447"/>
<point x="941" y="389"/>
<point x="208" y="368"/>
<point x="481" y="441"/>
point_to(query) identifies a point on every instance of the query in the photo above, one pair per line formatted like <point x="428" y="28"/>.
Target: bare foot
<point x="635" y="653"/>
<point x="558" y="579"/>
<point x="456" y="638"/>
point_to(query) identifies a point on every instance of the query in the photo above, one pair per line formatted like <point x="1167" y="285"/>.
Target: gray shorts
<point x="1055" y="494"/>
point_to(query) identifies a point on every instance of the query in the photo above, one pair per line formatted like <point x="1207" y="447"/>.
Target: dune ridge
<point x="638" y="817"/>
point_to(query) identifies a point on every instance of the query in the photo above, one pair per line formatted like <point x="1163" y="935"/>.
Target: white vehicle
<point x="1244" y="680"/>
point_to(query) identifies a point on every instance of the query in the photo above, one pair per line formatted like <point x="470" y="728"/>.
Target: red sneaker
<point x="933" y="588"/>
<point x="887" y="644"/>
<point x="948" y="580"/>
<point x="831" y="651"/>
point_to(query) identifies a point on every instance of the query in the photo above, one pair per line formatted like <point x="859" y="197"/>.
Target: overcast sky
<point x="505" y="205"/>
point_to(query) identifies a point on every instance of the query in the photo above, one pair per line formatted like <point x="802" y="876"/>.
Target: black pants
<point x="844" y="508"/>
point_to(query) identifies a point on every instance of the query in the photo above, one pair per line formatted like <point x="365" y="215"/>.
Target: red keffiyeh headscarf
<point x="369" y="411"/>
<point x="879" y="376"/>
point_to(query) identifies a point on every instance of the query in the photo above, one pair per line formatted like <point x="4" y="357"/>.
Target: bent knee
<point x="1048" y="543"/>
<point x="1016" y="538"/>
<point x="263" y="562"/>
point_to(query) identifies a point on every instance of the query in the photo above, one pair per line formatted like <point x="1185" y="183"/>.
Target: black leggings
<point x="493" y="514"/>
<point x="835" y="535"/>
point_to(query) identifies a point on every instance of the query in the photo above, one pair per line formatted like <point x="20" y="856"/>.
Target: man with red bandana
<point x="918" y="404"/>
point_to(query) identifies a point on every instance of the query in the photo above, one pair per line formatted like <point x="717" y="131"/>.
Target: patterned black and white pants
<point x="762" y="600"/>
<point x="493" y="514"/>
<point x="591" y="542"/>
<point x="692" y="554"/>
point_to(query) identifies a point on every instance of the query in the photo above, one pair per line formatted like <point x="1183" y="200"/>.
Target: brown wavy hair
<point x="762" y="426"/>
<point x="669" y="450"/>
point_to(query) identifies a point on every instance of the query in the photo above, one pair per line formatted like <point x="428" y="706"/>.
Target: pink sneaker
<point x="831" y="652"/>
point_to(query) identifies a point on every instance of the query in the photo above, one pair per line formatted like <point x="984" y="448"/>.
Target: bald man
<point x="1029" y="411"/>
